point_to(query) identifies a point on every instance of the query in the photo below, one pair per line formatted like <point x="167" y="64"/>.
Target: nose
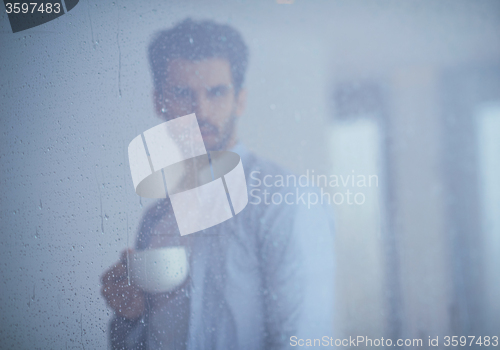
<point x="202" y="106"/>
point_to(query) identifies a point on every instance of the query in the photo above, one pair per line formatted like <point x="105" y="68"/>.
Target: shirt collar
<point x="240" y="149"/>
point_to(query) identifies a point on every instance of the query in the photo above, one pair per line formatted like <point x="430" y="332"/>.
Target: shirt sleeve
<point x="298" y="273"/>
<point x="126" y="334"/>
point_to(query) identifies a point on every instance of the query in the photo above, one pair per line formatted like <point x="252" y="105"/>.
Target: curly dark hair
<point x="198" y="40"/>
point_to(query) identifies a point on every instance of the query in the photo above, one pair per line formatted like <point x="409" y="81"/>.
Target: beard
<point x="222" y="135"/>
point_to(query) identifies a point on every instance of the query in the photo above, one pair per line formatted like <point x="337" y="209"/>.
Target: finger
<point x="117" y="273"/>
<point x="119" y="287"/>
<point x="121" y="294"/>
<point x="118" y="269"/>
<point x="126" y="255"/>
<point x="117" y="293"/>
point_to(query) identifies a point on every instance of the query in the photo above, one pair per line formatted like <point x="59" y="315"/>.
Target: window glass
<point x="395" y="102"/>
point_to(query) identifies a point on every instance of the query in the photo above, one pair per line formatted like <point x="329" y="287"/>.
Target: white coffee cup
<point x="159" y="270"/>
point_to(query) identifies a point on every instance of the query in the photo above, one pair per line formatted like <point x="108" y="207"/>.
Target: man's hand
<point x="125" y="299"/>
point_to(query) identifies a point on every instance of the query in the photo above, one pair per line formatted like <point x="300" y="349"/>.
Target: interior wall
<point x="76" y="90"/>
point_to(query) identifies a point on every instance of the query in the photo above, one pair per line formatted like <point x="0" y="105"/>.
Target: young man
<point x="260" y="280"/>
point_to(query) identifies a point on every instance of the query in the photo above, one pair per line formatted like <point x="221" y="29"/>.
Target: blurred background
<point x="407" y="91"/>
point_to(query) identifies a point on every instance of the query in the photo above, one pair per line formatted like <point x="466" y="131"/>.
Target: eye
<point x="180" y="92"/>
<point x="218" y="91"/>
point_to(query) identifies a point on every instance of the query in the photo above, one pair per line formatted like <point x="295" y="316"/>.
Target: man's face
<point x="205" y="88"/>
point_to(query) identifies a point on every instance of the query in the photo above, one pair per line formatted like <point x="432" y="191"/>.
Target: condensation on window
<point x="392" y="108"/>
